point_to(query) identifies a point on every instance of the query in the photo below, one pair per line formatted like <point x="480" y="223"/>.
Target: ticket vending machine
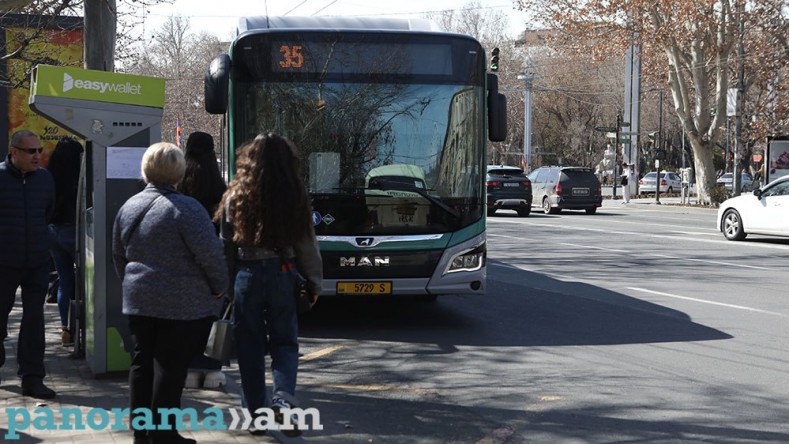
<point x="119" y="115"/>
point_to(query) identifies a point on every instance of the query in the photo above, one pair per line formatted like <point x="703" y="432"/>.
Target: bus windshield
<point x="383" y="151"/>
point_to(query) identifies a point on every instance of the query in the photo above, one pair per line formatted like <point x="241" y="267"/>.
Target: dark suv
<point x="508" y="189"/>
<point x="558" y="188"/>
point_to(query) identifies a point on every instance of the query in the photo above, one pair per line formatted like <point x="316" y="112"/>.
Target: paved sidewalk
<point x="78" y="388"/>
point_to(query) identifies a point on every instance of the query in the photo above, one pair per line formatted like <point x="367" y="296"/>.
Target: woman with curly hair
<point x="266" y="214"/>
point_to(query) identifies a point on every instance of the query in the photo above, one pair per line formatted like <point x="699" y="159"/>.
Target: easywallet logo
<point x="70" y="83"/>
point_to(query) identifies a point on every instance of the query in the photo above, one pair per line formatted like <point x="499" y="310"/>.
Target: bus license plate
<point x="364" y="288"/>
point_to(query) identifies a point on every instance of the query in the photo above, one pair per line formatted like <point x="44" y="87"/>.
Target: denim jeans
<point x="265" y="322"/>
<point x="63" y="241"/>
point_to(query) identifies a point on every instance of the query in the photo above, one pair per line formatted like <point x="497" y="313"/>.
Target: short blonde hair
<point x="163" y="164"/>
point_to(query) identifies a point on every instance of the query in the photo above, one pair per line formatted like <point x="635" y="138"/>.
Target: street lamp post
<point x="660" y="147"/>
<point x="528" y="77"/>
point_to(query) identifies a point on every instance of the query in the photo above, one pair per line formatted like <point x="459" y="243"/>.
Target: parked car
<point x="508" y="189"/>
<point x="670" y="182"/>
<point x="746" y="181"/>
<point x="766" y="211"/>
<point x="558" y="188"/>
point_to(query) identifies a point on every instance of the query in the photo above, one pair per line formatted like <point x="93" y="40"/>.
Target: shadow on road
<point x="358" y="418"/>
<point x="521" y="308"/>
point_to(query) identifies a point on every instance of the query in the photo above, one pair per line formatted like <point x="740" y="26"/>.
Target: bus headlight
<point x="471" y="260"/>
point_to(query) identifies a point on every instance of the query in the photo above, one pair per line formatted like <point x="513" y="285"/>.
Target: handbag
<point x="300" y="291"/>
<point x="303" y="300"/>
<point x="624" y="180"/>
<point x="221" y="343"/>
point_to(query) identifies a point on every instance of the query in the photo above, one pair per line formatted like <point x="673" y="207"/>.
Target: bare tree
<point x="696" y="42"/>
<point x="108" y="24"/>
<point x="487" y="26"/>
<point x="181" y="58"/>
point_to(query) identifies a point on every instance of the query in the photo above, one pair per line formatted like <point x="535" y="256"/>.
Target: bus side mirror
<point x="497" y="111"/>
<point x="217" y="79"/>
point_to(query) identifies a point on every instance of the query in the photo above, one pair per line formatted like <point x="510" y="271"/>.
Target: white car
<point x="746" y="181"/>
<point x="670" y="182"/>
<point x="765" y="211"/>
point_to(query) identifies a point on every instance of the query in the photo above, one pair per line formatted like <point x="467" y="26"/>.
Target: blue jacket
<point x="26" y="205"/>
<point x="171" y="263"/>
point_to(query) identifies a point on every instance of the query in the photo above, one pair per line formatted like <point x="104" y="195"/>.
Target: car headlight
<point x="470" y="260"/>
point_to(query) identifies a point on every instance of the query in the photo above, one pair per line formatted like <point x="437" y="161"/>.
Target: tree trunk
<point x="100" y="25"/>
<point x="705" y="168"/>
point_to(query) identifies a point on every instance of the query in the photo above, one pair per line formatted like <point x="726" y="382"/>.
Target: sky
<point x="221" y="16"/>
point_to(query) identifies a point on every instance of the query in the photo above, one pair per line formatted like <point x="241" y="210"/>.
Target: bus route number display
<point x="291" y="57"/>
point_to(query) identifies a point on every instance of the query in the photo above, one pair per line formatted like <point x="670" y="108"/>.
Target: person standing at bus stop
<point x="173" y="274"/>
<point x="266" y="213"/>
<point x="627" y="181"/>
<point x="27" y="199"/>
<point x="64" y="164"/>
<point x="203" y="182"/>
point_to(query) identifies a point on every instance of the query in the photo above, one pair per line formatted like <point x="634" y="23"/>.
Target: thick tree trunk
<point x="705" y="169"/>
<point x="100" y="25"/>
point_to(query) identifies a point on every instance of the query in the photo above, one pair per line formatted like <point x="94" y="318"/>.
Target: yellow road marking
<point x="320" y="353"/>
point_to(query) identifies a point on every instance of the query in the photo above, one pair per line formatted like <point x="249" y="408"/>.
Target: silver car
<point x="670" y="182"/>
<point x="746" y="181"/>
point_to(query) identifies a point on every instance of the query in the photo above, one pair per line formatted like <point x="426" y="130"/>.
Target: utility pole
<point x="660" y="147"/>
<point x="100" y="30"/>
<point x="736" y="184"/>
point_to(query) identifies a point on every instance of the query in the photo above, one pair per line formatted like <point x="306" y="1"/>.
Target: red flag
<point x="178" y="132"/>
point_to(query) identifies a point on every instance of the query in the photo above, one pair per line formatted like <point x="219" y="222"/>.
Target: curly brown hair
<point x="268" y="202"/>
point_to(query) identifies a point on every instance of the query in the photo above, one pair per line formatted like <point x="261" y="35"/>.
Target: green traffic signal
<point x="494" y="59"/>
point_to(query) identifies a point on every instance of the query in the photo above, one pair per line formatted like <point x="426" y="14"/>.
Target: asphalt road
<point x="640" y="323"/>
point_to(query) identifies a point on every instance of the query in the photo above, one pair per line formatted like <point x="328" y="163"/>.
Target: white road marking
<point x="715" y="233"/>
<point x="730" y="244"/>
<point x="707" y="261"/>
<point x="704" y="301"/>
<point x="593" y="247"/>
<point x="665" y="256"/>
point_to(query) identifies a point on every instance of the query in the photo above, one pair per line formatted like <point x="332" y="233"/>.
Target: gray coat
<point x="171" y="262"/>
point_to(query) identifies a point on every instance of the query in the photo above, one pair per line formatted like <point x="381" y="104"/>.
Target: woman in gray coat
<point x="173" y="269"/>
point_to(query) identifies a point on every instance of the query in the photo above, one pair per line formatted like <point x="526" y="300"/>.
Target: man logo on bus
<point x="364" y="241"/>
<point x="365" y="261"/>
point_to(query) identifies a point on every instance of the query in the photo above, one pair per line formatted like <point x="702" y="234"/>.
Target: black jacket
<point x="26" y="205"/>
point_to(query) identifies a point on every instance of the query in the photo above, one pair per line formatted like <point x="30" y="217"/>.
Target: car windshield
<point x="726" y="176"/>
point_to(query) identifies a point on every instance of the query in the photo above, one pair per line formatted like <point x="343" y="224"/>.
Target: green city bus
<point x="391" y="118"/>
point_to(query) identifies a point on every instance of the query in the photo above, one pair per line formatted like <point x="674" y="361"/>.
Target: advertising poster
<point x="50" y="46"/>
<point x="777" y="158"/>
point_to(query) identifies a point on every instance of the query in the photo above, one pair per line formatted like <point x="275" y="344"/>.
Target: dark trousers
<point x="162" y="351"/>
<point x="30" y="348"/>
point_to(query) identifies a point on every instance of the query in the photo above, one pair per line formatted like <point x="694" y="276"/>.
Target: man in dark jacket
<point x="27" y="196"/>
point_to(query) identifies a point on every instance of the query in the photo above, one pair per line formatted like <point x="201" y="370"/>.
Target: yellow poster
<point x="50" y="46"/>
